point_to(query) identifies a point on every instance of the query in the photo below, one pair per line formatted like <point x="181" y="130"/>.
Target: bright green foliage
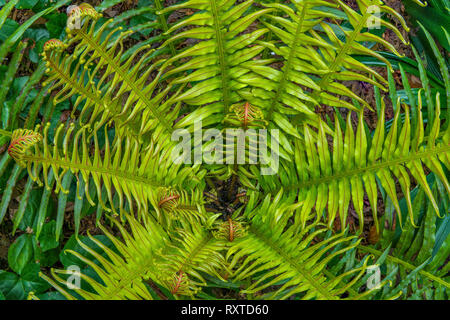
<point x="252" y="65"/>
<point x="322" y="179"/>
<point x="227" y="70"/>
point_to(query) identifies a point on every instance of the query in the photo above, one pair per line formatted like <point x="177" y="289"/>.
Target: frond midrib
<point x="427" y="153"/>
<point x="92" y="170"/>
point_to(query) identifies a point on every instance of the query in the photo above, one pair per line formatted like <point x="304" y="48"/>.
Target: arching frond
<point x="107" y="87"/>
<point x="123" y="273"/>
<point x="221" y="56"/>
<point x="317" y="52"/>
<point x="358" y="163"/>
<point x="229" y="64"/>
<point x="130" y="173"/>
<point x="148" y="253"/>
<point x="285" y="262"/>
<point x="21" y="140"/>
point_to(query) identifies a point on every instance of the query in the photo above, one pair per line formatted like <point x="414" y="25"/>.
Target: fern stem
<point x="405" y="264"/>
<point x="428" y="153"/>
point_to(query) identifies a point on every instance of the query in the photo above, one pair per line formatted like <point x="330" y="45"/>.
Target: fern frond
<point x="316" y="56"/>
<point x="421" y="251"/>
<point x="245" y="116"/>
<point x="422" y="282"/>
<point x="130" y="173"/>
<point x="358" y="163"/>
<point x="220" y="57"/>
<point x="194" y="251"/>
<point x="275" y="254"/>
<point x="21" y="141"/>
<point x="179" y="284"/>
<point x="123" y="274"/>
<point x="76" y="13"/>
<point x="230" y="230"/>
<point x="182" y="206"/>
<point x="107" y="87"/>
<point x="301" y="27"/>
<point x="148" y="253"/>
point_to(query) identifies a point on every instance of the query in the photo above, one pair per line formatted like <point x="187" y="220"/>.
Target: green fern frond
<point x="245" y="116"/>
<point x="219" y="59"/>
<point x="107" y="87"/>
<point x="230" y="230"/>
<point x="413" y="277"/>
<point x="173" y="205"/>
<point x="327" y="181"/>
<point x="316" y="57"/>
<point x="276" y="255"/>
<point x="147" y="253"/>
<point x="124" y="273"/>
<point x="300" y="27"/>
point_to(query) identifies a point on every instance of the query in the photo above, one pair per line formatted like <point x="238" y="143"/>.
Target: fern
<point x="150" y="254"/>
<point x="287" y="258"/>
<point x="177" y="263"/>
<point x="125" y="166"/>
<point x="105" y="99"/>
<point x="226" y="71"/>
<point x="329" y="180"/>
<point x="252" y="65"/>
